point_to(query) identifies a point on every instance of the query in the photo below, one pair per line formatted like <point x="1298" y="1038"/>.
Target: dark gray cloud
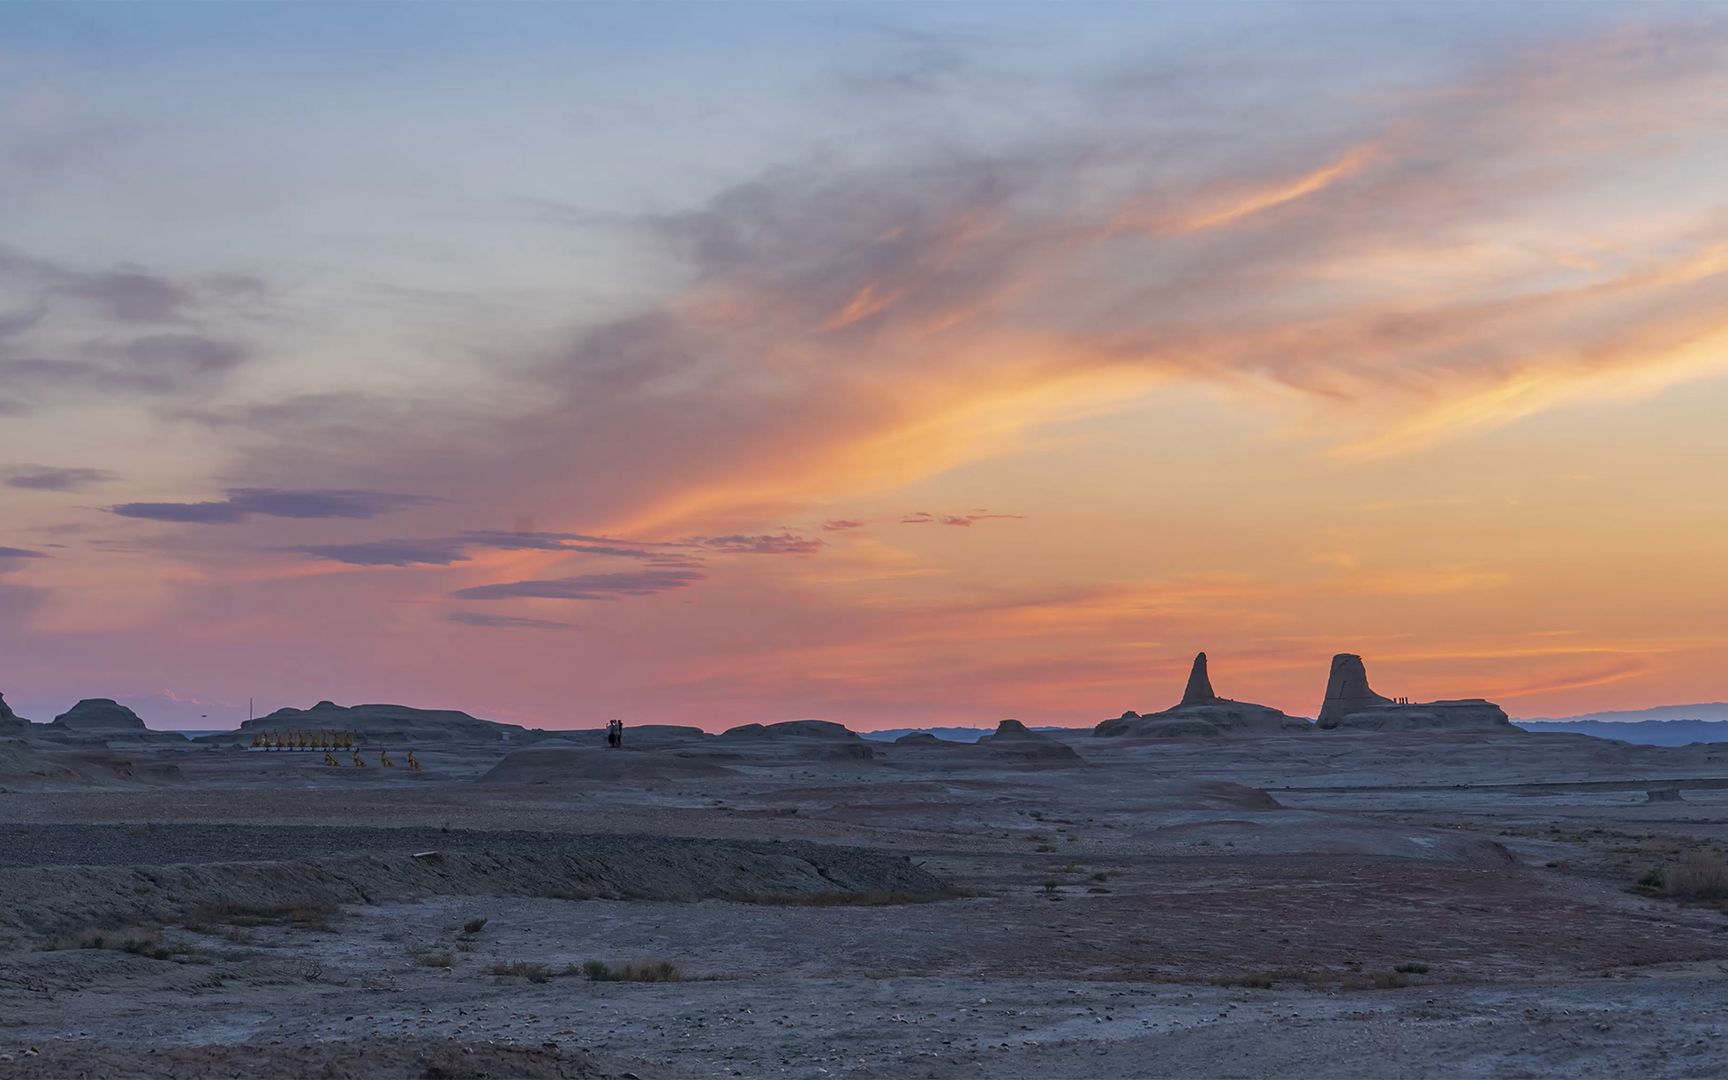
<point x="507" y="622"/>
<point x="442" y="551"/>
<point x="278" y="502"/>
<point x="131" y="295"/>
<point x="586" y="586"/>
<point x="199" y="513"/>
<point x="20" y="553"/>
<point x="551" y="541"/>
<point x="53" y="478"/>
<point x="157" y="364"/>
<point x="78" y="332"/>
<point x="387" y="552"/>
<point x="242" y="503"/>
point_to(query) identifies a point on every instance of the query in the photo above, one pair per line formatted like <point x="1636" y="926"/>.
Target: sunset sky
<point x="893" y="365"/>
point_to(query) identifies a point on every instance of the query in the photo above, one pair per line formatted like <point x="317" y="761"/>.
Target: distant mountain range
<point x="1664" y="725"/>
<point x="1715" y="711"/>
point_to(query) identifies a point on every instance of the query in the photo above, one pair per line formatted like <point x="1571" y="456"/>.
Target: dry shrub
<point x="137" y="942"/>
<point x="1702" y="876"/>
<point x="1251" y="982"/>
<point x="522" y="969"/>
<point x="647" y="971"/>
<point x="308" y="915"/>
<point x="435" y="959"/>
<point x="474" y="926"/>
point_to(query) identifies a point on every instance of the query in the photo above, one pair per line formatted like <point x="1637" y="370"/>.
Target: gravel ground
<point x="166" y="845"/>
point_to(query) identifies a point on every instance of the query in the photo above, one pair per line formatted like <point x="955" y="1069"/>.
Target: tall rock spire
<point x="1199" y="690"/>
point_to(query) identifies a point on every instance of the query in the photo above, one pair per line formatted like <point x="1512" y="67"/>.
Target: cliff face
<point x="1347" y="690"/>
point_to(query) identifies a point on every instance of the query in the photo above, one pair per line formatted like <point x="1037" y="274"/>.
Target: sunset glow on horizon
<point x="886" y="364"/>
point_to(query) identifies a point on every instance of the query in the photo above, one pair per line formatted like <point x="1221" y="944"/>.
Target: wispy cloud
<point x="586" y="586"/>
<point x="243" y="503"/>
<point x="54" y="478"/>
<point x="507" y="622"/>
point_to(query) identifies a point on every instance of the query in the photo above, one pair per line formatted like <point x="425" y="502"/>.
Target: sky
<point x="889" y="364"/>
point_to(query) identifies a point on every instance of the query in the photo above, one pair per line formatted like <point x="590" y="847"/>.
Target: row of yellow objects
<point x="305" y="740"/>
<point x="383" y="760"/>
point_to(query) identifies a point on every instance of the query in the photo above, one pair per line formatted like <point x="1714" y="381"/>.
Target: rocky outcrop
<point x="923" y="738"/>
<point x="100" y="716"/>
<point x="383" y="722"/>
<point x="1347" y="690"/>
<point x="1013" y="737"/>
<point x="1199" y="689"/>
<point x="793" y="729"/>
<point x="10" y="722"/>
<point x="1202" y="714"/>
<point x="1351" y="704"/>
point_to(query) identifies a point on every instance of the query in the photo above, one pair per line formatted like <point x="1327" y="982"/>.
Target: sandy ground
<point x="1306" y="905"/>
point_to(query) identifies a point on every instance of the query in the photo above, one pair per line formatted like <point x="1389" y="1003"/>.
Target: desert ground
<point x="800" y="902"/>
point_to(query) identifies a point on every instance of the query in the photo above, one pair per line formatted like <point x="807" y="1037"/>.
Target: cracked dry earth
<point x="1354" y="905"/>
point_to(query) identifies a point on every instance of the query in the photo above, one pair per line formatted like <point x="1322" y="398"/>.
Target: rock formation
<point x="10" y="722"/>
<point x="100" y="716"/>
<point x="1199" y="690"/>
<point x="1013" y="737"/>
<point x="384" y="722"/>
<point x="1202" y="714"/>
<point x="1352" y="704"/>
<point x="796" y="729"/>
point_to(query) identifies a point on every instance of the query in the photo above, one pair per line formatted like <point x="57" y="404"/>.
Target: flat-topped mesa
<point x="1202" y="713"/>
<point x="10" y="719"/>
<point x="383" y="721"/>
<point x="1014" y="737"/>
<point x="1350" y="703"/>
<point x="1199" y="690"/>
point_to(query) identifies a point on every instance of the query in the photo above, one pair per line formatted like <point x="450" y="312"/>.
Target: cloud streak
<point x="243" y="503"/>
<point x="586" y="586"/>
<point x="54" y="478"/>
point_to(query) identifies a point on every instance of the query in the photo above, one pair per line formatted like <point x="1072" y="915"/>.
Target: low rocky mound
<point x="60" y="876"/>
<point x="1202" y="714"/>
<point x="552" y="766"/>
<point x="100" y="716"/>
<point x="378" y="722"/>
<point x="1013" y="737"/>
<point x="924" y="738"/>
<point x="33" y="765"/>
<point x="23" y="765"/>
<point x="1351" y="704"/>
<point x="792" y="729"/>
